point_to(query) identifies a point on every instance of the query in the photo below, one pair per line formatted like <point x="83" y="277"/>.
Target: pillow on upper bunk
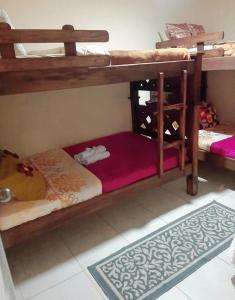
<point x="208" y="116"/>
<point x="19" y="48"/>
<point x="196" y="29"/>
<point x="176" y="31"/>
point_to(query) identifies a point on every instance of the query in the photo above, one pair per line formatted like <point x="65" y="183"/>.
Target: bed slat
<point x="52" y="63"/>
<point x="192" y="40"/>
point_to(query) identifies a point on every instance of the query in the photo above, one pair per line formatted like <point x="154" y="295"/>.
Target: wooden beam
<point x="193" y="126"/>
<point x="52" y="36"/>
<point x="190" y="41"/>
<point x="67" y="78"/>
<point x="160" y="125"/>
<point x="217" y="160"/>
<point x="182" y="121"/>
<point x="52" y="63"/>
<point x="218" y="63"/>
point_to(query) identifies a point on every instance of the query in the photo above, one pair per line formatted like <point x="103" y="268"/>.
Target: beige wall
<point x="36" y="122"/>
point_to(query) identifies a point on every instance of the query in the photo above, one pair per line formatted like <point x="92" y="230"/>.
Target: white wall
<point x="36" y="122"/>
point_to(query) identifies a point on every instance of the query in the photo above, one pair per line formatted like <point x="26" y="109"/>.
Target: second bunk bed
<point x="216" y="142"/>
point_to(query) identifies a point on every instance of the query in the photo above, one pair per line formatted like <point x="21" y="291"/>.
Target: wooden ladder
<point x="161" y="108"/>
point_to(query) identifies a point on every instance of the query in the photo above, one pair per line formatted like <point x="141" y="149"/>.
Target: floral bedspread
<point x="68" y="183"/>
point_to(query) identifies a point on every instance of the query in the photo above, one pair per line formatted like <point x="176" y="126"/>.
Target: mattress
<point x="219" y="140"/>
<point x="133" y="157"/>
<point x="119" y="57"/>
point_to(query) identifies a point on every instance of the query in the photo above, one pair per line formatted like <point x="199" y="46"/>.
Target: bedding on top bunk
<point x="219" y="140"/>
<point x="133" y="158"/>
<point x="119" y="57"/>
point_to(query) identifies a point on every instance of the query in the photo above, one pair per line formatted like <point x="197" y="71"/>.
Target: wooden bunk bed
<point x="22" y="75"/>
<point x="213" y="60"/>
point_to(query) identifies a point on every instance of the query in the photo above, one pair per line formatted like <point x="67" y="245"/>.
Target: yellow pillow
<point x="24" y="187"/>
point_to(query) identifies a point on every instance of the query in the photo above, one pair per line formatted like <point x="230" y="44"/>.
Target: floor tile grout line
<point x="183" y="292"/>
<point x="120" y="234"/>
<point x="71" y="252"/>
<point x="95" y="284"/>
<point x="51" y="287"/>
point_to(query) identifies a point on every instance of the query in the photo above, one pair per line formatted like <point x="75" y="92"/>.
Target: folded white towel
<point x="89" y="152"/>
<point x="96" y="157"/>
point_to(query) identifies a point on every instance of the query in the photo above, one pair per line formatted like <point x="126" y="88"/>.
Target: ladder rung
<point x="176" y="106"/>
<point x="176" y="143"/>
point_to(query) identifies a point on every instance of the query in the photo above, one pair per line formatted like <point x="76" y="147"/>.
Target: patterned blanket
<point x="219" y="140"/>
<point x="67" y="183"/>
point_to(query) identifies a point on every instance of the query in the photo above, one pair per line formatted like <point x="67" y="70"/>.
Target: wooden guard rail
<point x="51" y="35"/>
<point x="182" y="123"/>
<point x="192" y="40"/>
<point x="68" y="36"/>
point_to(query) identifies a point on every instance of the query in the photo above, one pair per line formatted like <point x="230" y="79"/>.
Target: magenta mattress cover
<point x="225" y="148"/>
<point x="133" y="157"/>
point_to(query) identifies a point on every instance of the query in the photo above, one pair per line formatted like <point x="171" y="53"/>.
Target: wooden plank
<point x="218" y="63"/>
<point x="182" y="122"/>
<point x="67" y="78"/>
<point x="56" y="219"/>
<point x="173" y="144"/>
<point x="160" y="125"/>
<point x="190" y="41"/>
<point x="52" y="36"/>
<point x="216" y="160"/>
<point x="213" y="53"/>
<point x="193" y="126"/>
<point x="6" y="50"/>
<point x="52" y="63"/>
<point x="176" y="106"/>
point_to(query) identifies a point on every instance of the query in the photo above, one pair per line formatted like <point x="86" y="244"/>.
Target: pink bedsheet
<point x="133" y="157"/>
<point x="225" y="148"/>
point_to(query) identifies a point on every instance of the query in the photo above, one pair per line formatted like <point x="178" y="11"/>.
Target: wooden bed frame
<point x="217" y="62"/>
<point x="216" y="160"/>
<point x="21" y="75"/>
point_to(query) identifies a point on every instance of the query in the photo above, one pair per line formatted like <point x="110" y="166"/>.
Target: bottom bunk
<point x="131" y="167"/>
<point x="217" y="145"/>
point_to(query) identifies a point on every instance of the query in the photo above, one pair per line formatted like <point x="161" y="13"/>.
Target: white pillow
<point x="91" y="50"/>
<point x="19" y="48"/>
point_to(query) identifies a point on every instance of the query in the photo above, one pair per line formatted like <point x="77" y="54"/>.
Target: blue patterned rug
<point x="149" y="267"/>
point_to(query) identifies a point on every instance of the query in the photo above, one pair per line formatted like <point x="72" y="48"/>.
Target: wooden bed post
<point x="6" y="50"/>
<point x="193" y="123"/>
<point x="134" y="97"/>
<point x="70" y="48"/>
<point x="160" y="125"/>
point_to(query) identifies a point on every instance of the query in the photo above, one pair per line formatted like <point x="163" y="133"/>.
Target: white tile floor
<point x="53" y="267"/>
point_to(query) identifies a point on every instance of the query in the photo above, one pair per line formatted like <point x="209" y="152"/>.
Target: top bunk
<point x="32" y="73"/>
<point x="218" y="56"/>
